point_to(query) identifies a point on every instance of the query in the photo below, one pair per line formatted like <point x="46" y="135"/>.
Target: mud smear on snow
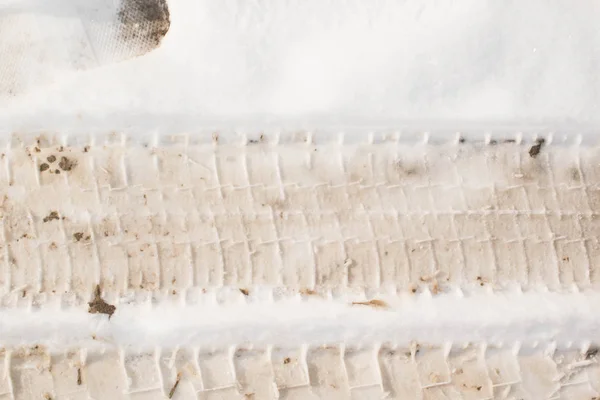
<point x="34" y="47"/>
<point x="144" y="23"/>
<point x="99" y="306"/>
<point x="536" y="148"/>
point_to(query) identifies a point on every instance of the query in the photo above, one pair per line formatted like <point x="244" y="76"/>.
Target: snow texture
<point x="494" y="295"/>
<point x="313" y="63"/>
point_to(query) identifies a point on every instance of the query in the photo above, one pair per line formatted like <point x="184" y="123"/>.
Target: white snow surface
<point x="313" y="63"/>
<point x="504" y="318"/>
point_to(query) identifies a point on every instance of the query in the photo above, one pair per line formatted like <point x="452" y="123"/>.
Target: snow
<point x="336" y="65"/>
<point x="344" y="63"/>
<point x="455" y="317"/>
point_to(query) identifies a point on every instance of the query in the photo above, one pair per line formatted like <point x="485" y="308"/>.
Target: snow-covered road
<point x="299" y="199"/>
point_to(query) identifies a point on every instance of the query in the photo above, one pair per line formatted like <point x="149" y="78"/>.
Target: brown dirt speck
<point x="79" y="379"/>
<point x="78" y="236"/>
<point x="371" y="303"/>
<point x="287" y="360"/>
<point x="536" y="148"/>
<point x="67" y="164"/>
<point x="245" y="292"/>
<point x="99" y="306"/>
<point x="51" y="217"/>
<point x="51" y="158"/>
<point x="44" y="167"/>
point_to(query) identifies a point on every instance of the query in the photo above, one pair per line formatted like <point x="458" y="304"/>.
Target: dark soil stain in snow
<point x="51" y="217"/>
<point x="536" y="148"/>
<point x="67" y="164"/>
<point x="99" y="306"/>
<point x="144" y="22"/>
